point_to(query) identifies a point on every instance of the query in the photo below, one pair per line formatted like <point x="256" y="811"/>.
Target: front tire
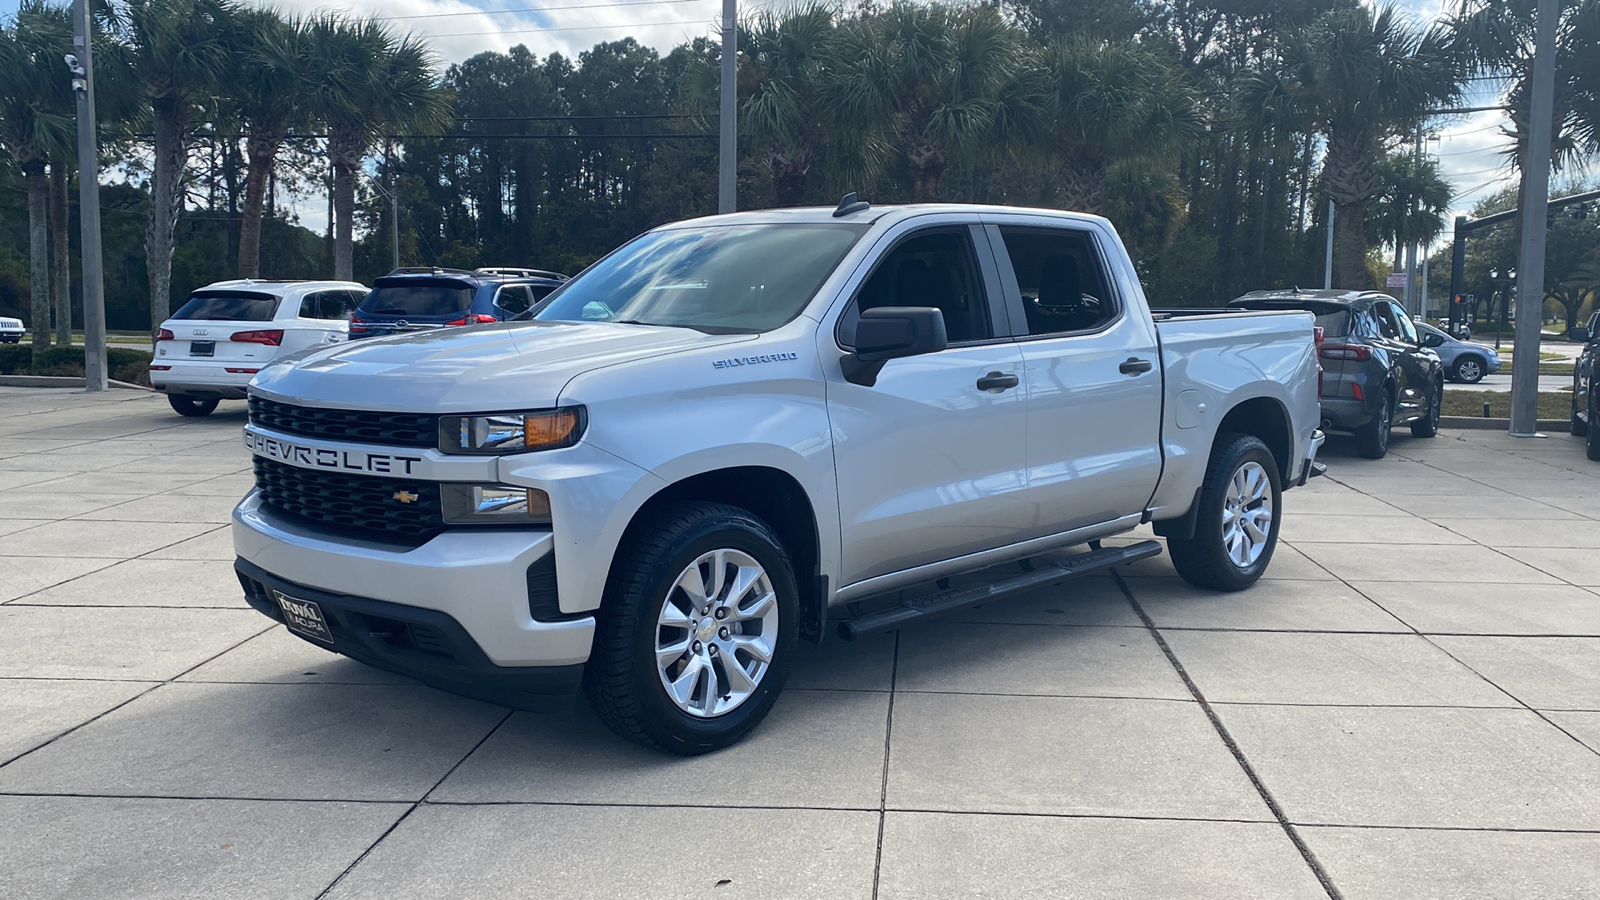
<point x="194" y="407"/>
<point x="1372" y="439"/>
<point x="1236" y="524"/>
<point x="697" y="629"/>
<point x="1591" y="436"/>
<point x="1469" y="369"/>
<point x="1580" y="427"/>
<point x="1428" y="425"/>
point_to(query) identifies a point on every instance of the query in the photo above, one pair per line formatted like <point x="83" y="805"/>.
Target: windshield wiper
<point x="703" y="329"/>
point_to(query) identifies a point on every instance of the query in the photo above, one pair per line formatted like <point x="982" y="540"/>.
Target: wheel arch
<point x="1268" y="419"/>
<point x="777" y="498"/>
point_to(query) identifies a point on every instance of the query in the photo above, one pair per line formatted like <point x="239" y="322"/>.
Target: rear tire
<point x="654" y="632"/>
<point x="1229" y="550"/>
<point x="1372" y="439"/>
<point x="194" y="407"/>
<point x="1428" y="425"/>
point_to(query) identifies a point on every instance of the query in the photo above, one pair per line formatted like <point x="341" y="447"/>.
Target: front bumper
<point x="424" y="644"/>
<point x="478" y="578"/>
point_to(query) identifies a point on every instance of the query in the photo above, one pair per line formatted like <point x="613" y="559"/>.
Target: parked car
<point x="1463" y="361"/>
<point x="735" y="432"/>
<point x="1377" y="372"/>
<point x="11" y="330"/>
<point x="226" y="332"/>
<point x="1585" y="402"/>
<point x="418" y="299"/>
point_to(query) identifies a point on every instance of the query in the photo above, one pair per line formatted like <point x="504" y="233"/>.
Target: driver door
<point x="930" y="459"/>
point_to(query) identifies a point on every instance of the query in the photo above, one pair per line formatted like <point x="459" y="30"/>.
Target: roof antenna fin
<point x="849" y="204"/>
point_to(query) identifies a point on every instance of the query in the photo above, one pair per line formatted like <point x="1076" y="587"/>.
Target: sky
<point x="1467" y="146"/>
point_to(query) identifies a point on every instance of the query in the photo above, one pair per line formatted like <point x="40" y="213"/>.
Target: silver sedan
<point x="1463" y="361"/>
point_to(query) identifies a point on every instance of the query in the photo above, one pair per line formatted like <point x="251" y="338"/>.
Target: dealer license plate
<point x="303" y="617"/>
<point x="202" y="348"/>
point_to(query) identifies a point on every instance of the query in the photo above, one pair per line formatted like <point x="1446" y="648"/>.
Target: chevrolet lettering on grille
<point x="310" y="456"/>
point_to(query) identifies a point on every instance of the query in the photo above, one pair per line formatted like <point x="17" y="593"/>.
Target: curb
<point x="61" y="381"/>
<point x="1473" y="423"/>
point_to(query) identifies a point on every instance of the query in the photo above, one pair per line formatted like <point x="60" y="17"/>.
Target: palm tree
<point x="1357" y="75"/>
<point x="1413" y="204"/>
<point x="1110" y="103"/>
<point x="930" y="84"/>
<point x="36" y="118"/>
<point x="784" y="116"/>
<point x="363" y="81"/>
<point x="1495" y="38"/>
<point x="177" y="53"/>
<point x="268" y="56"/>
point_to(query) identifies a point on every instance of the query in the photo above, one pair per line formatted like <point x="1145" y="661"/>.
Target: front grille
<point x="357" y="503"/>
<point x="359" y="426"/>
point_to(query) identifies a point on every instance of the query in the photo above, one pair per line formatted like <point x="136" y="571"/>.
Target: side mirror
<point x="1579" y="334"/>
<point x="892" y="332"/>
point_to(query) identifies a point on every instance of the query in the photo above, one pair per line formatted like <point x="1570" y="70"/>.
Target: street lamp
<point x="80" y="65"/>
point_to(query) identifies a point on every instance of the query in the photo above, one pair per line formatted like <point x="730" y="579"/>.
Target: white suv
<point x="215" y="343"/>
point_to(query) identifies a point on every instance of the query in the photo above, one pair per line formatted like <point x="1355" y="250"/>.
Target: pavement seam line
<point x="413" y="807"/>
<point x="1288" y="827"/>
<point x="883" y="788"/>
<point x="143" y="693"/>
<point x="1434" y="644"/>
<point x="192" y="537"/>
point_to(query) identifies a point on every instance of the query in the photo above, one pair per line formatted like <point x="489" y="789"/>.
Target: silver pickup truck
<point x="738" y="432"/>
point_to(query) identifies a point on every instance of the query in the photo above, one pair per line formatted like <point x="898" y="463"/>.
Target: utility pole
<point x="394" y="204"/>
<point x="1413" y="306"/>
<point x="81" y="64"/>
<point x="1327" y="262"/>
<point x="727" y="157"/>
<point x="1535" y="200"/>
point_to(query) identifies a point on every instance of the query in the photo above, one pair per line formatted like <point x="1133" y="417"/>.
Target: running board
<point x="961" y="598"/>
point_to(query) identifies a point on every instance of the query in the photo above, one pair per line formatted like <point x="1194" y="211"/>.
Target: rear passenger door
<point x="1092" y="372"/>
<point x="929" y="458"/>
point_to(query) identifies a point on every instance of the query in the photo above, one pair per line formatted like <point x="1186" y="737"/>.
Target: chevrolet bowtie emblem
<point x="405" y="496"/>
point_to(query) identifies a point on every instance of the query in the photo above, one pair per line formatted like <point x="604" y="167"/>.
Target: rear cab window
<point x="1061" y="278"/>
<point x="228" y="306"/>
<point x="419" y="297"/>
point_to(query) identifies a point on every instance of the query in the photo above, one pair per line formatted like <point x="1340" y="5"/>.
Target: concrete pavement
<point x="1407" y="707"/>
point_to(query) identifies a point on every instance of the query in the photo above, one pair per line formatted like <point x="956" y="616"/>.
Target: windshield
<point x="229" y="306"/>
<point x="419" y="298"/>
<point x="718" y="278"/>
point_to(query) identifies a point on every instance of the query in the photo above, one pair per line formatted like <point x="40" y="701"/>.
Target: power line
<point x="531" y="9"/>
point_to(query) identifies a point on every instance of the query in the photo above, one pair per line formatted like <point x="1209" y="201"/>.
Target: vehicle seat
<point x="917" y="284"/>
<point x="1060" y="306"/>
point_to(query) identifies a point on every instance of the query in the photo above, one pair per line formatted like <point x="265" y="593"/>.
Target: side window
<point x="1064" y="287"/>
<point x="352" y="301"/>
<point x="932" y="268"/>
<point x="1408" y="329"/>
<point x="310" y="303"/>
<point x="514" y="298"/>
<point x="1387" y="326"/>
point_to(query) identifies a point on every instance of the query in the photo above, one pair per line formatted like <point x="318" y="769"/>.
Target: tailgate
<point x="206" y="341"/>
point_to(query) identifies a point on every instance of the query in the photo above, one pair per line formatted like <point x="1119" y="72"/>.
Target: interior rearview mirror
<point x="893" y="332"/>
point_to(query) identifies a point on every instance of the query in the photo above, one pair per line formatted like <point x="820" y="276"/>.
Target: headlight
<point x="493" y="504"/>
<point x="547" y="429"/>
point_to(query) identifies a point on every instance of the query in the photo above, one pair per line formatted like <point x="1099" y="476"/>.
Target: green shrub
<point x="132" y="372"/>
<point x="57" y="357"/>
<point x="15" y="359"/>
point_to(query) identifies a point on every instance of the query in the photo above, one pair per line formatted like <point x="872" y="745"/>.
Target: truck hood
<point x="472" y="369"/>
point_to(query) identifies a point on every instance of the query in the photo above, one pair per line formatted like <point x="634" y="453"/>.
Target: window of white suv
<point x="229" y="306"/>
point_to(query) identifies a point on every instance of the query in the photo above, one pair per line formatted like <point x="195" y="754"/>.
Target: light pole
<point x="1535" y="205"/>
<point x="81" y="64"/>
<point x="727" y="157"/>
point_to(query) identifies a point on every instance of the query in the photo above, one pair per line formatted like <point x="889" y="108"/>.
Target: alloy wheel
<point x="1247" y="514"/>
<point x="1469" y="371"/>
<point x="715" y="633"/>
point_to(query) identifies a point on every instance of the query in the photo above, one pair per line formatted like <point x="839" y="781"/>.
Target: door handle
<point x="997" y="382"/>
<point x="1135" y="366"/>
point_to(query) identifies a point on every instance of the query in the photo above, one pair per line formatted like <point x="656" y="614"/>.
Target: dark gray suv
<point x="1376" y="371"/>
